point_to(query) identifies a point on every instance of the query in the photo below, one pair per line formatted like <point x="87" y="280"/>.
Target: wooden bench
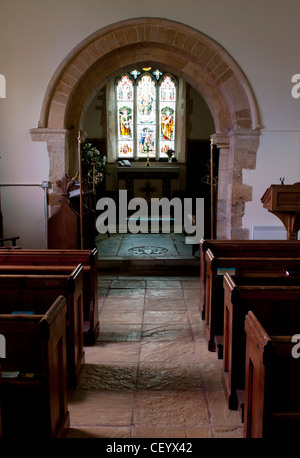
<point x="88" y="259"/>
<point x="34" y="375"/>
<point x="1" y="434"/>
<point x="216" y="267"/>
<point x="243" y="248"/>
<point x="275" y="302"/>
<point x="272" y="395"/>
<point x="36" y="293"/>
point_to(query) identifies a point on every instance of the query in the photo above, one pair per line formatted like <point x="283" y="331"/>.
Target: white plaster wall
<point x="278" y="156"/>
<point x="35" y="36"/>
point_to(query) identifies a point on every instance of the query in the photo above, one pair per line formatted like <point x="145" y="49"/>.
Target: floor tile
<point x="120" y="284"/>
<point x="176" y="432"/>
<point x="167" y="332"/>
<point x="102" y="283"/>
<point x="158" y="284"/>
<point x="165" y="304"/>
<point x="126" y="292"/>
<point x="177" y="408"/>
<point x="191" y="284"/>
<point x="165" y="317"/>
<point x="96" y="377"/>
<point x="204" y="355"/>
<point x="100" y="432"/>
<point x="98" y="408"/>
<point x="212" y="375"/>
<point x="115" y="304"/>
<point x="168" y="352"/>
<point x="221" y="416"/>
<point x="112" y="352"/>
<point x="109" y="317"/>
<point x="234" y="432"/>
<point x="170" y="377"/>
<point x="119" y="332"/>
<point x="164" y="293"/>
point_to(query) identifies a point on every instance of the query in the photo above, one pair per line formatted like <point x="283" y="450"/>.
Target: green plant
<point x="92" y="159"/>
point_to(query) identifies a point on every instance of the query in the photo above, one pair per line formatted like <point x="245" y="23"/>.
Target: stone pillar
<point x="57" y="143"/>
<point x="224" y="188"/>
<point x="243" y="148"/>
<point x="237" y="152"/>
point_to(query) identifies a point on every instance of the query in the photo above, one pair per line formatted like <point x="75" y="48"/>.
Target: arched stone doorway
<point x="177" y="48"/>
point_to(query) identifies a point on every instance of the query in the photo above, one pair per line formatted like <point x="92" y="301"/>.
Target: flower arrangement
<point x="91" y="156"/>
<point x="170" y="153"/>
<point x="93" y="162"/>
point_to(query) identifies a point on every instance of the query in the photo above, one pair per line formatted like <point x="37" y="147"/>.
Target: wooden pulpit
<point x="284" y="202"/>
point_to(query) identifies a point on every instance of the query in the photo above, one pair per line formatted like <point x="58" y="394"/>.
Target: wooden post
<point x="80" y="189"/>
<point x="211" y="188"/>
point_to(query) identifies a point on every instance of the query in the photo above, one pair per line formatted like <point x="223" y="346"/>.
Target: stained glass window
<point x="146" y="108"/>
<point x="167" y="99"/>
<point x="146" y="116"/>
<point x="125" y="110"/>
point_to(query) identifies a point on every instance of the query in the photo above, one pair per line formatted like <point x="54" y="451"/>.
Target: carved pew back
<point x="275" y="302"/>
<point x="34" y="374"/>
<point x="246" y="249"/>
<point x="272" y="395"/>
<point x="36" y="293"/>
<point x="61" y="258"/>
<point x="217" y="266"/>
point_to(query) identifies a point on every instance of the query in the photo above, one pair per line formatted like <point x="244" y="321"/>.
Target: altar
<point x="148" y="182"/>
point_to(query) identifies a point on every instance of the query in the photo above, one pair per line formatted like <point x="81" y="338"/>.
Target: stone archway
<point x="177" y="48"/>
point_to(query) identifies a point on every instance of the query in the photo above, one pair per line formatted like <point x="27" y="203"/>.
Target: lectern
<point x="284" y="202"/>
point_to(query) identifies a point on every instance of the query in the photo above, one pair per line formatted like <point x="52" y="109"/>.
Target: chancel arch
<point x="175" y="48"/>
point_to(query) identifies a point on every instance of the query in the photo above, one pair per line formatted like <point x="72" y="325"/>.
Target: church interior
<point x="149" y="220"/>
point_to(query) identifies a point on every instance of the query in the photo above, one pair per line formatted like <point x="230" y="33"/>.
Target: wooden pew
<point x="275" y="302"/>
<point x="272" y="395"/>
<point x="88" y="259"/>
<point x="243" y="248"/>
<point x="34" y="376"/>
<point x="264" y="266"/>
<point x="36" y="293"/>
<point x="1" y="435"/>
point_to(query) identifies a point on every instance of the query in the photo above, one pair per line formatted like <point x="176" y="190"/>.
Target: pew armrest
<point x="9" y="239"/>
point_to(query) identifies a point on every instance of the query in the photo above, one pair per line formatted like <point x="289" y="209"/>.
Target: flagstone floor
<point x="143" y="246"/>
<point x="150" y="375"/>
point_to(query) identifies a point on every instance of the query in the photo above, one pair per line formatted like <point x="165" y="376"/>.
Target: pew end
<point x="58" y="259"/>
<point x="13" y="243"/>
<point x="272" y="396"/>
<point x="34" y="374"/>
<point x="36" y="293"/>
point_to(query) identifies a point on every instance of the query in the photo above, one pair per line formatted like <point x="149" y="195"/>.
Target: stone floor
<point x="150" y="374"/>
<point x="143" y="246"/>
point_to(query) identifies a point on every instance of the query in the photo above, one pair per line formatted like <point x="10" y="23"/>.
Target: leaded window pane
<point x="167" y="99"/>
<point x="146" y="116"/>
<point x="146" y="110"/>
<point x="125" y="111"/>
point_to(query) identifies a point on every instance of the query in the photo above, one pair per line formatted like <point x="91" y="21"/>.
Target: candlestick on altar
<point x="80" y="188"/>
